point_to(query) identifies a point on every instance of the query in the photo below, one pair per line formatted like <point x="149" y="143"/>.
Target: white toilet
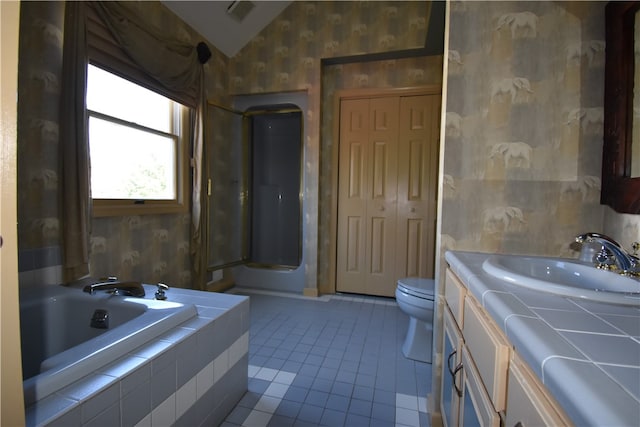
<point x="415" y="297"/>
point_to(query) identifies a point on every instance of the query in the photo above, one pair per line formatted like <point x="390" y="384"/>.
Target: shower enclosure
<point x="254" y="163"/>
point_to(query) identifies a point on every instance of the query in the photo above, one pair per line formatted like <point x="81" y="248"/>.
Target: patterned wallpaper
<point x="151" y="247"/>
<point x="523" y="123"/>
<point x="287" y="55"/>
<point x="523" y="126"/>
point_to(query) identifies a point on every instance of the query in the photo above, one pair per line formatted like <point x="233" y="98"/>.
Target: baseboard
<point x="310" y="292"/>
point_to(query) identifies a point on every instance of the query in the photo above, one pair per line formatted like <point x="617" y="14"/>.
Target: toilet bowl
<point x="415" y="298"/>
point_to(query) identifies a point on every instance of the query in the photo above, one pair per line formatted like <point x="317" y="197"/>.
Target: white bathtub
<point x="59" y="346"/>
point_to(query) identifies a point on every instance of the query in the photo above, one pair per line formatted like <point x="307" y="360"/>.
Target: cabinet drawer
<point x="477" y="408"/>
<point x="489" y="349"/>
<point x="527" y="402"/>
<point x="454" y="292"/>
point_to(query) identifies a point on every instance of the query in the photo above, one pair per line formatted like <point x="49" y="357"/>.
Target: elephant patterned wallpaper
<point x="287" y="56"/>
<point x="151" y="247"/>
<point x="522" y="140"/>
<point x="524" y="126"/>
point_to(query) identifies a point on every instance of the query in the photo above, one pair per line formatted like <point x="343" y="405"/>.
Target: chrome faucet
<point x="134" y="289"/>
<point x="627" y="264"/>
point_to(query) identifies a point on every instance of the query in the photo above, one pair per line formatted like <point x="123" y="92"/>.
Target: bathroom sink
<point x="564" y="277"/>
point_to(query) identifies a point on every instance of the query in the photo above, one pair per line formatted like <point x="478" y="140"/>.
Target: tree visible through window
<point x="135" y="142"/>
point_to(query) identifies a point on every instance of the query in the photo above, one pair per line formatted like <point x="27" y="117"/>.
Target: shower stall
<point x="256" y="178"/>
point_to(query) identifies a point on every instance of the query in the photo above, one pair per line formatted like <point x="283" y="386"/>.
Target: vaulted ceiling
<point x="213" y="20"/>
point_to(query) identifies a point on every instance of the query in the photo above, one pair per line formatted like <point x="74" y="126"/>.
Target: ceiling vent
<point x="239" y="9"/>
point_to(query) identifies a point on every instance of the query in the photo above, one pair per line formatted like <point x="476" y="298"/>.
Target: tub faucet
<point x="628" y="264"/>
<point x="134" y="289"/>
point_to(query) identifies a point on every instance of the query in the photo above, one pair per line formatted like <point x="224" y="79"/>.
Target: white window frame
<point x="129" y="207"/>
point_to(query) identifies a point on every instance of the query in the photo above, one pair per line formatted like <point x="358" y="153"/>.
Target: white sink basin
<point x="564" y="277"/>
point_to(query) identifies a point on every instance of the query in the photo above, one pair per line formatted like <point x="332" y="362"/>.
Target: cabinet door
<point x="476" y="409"/>
<point x="527" y="404"/>
<point x="451" y="372"/>
<point x="490" y="350"/>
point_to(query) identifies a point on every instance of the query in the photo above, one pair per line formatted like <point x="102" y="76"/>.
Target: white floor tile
<point x="422" y="404"/>
<point x="276" y="390"/>
<point x="284" y="377"/>
<point x="407" y="417"/>
<point x="266" y="374"/>
<point x="407" y="401"/>
<point x="257" y="419"/>
<point x="267" y="404"/>
<point x="253" y="370"/>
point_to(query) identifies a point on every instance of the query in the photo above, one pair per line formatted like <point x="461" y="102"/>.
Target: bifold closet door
<point x="367" y="199"/>
<point x="387" y="187"/>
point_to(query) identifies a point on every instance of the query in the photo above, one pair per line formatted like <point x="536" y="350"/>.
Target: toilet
<point x="415" y="298"/>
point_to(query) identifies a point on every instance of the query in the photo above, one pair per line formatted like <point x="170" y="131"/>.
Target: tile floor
<point x="330" y="361"/>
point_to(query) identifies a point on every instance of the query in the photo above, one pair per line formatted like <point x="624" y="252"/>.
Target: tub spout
<point x="134" y="289"/>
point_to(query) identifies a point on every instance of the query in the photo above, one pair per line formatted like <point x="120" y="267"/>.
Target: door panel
<point x="381" y="204"/>
<point x="417" y="183"/>
<point x="352" y="194"/>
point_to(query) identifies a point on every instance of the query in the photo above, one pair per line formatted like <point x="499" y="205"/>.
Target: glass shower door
<point x="227" y="171"/>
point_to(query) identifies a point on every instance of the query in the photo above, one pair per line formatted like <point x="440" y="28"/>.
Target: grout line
<point x="322" y="298"/>
<point x="407" y="413"/>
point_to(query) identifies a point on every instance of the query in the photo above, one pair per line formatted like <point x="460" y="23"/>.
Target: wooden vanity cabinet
<point x="464" y="398"/>
<point x="484" y="382"/>
<point x="451" y="384"/>
<point x="527" y="402"/>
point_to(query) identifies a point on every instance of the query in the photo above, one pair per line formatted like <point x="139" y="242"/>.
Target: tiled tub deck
<point x="192" y="375"/>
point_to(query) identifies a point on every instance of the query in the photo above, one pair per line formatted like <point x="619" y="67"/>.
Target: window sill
<point x="105" y="210"/>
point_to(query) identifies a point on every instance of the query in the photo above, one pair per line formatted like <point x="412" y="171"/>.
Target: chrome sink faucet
<point x="627" y="264"/>
<point x="134" y="289"/>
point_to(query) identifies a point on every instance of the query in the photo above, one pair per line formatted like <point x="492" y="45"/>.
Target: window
<point x="138" y="148"/>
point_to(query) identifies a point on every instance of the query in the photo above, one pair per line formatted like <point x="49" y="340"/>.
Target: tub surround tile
<point x="136" y="404"/>
<point x="49" y="409"/>
<point x="168" y="379"/>
<point x="87" y="387"/>
<point x="586" y="353"/>
<point x="109" y="417"/>
<point x="101" y="401"/>
<point x="163" y="384"/>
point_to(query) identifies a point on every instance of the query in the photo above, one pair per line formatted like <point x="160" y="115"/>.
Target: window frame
<point x="130" y="207"/>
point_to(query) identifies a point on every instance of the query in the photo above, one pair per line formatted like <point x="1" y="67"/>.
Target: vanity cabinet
<point x="484" y="381"/>
<point x="451" y="383"/>
<point x="528" y="405"/>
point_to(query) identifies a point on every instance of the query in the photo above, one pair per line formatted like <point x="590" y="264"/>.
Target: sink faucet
<point x="627" y="263"/>
<point x="134" y="289"/>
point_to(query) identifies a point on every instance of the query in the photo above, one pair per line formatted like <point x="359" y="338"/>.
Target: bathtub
<point x="60" y="346"/>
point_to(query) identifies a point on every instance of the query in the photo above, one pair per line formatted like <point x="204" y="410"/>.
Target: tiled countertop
<point x="586" y="353"/>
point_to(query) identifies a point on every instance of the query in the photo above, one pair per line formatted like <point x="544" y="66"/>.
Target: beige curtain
<point x="178" y="67"/>
<point x="74" y="150"/>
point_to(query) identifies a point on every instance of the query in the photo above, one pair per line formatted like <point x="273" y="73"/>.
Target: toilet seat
<point x="417" y="287"/>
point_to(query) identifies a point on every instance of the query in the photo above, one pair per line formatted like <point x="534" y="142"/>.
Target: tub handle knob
<point x="161" y="290"/>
